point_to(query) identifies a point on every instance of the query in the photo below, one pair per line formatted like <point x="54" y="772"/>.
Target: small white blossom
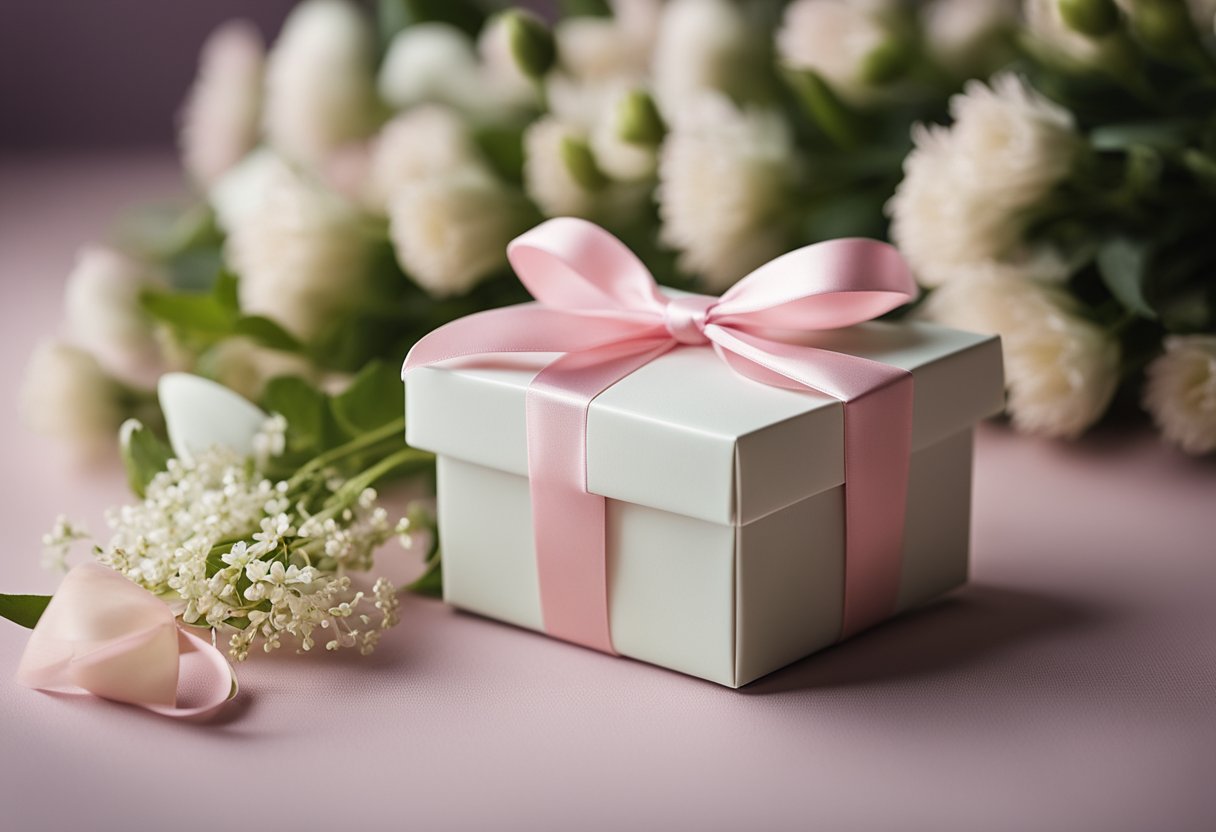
<point x="1060" y="370"/>
<point x="723" y="175"/>
<point x="219" y="122"/>
<point x="103" y="312"/>
<point x="700" y="45"/>
<point x="451" y="232"/>
<point x="1180" y="392"/>
<point x="67" y="395"/>
<point x="271" y="440"/>
<point x="429" y="141"/>
<point x="58" y="542"/>
<point x="320" y="89"/>
<point x="959" y="209"/>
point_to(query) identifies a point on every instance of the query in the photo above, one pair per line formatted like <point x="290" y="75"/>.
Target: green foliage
<point x="395" y="15"/>
<point x="23" y="609"/>
<point x="144" y="455"/>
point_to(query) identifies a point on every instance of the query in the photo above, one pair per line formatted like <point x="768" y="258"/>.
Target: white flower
<point x="67" y="395"/>
<point x="958" y="210"/>
<point x="834" y="38"/>
<point x="1060" y="370"/>
<point x="701" y="45"/>
<point x="450" y="232"/>
<point x="547" y="178"/>
<point x="1181" y="392"/>
<point x="424" y="142"/>
<point x="103" y="313"/>
<point x="438" y="63"/>
<point x="302" y="255"/>
<point x="599" y="48"/>
<point x="960" y="31"/>
<point x="237" y="194"/>
<point x="219" y="122"/>
<point x="618" y="158"/>
<point x="722" y="180"/>
<point x="1048" y="26"/>
<point x="320" y="90"/>
<point x="498" y="62"/>
<point x="245" y="366"/>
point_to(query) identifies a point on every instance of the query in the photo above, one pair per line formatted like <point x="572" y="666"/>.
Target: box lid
<point x="687" y="434"/>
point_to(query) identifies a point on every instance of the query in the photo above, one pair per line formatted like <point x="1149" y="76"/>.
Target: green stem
<point x="352" y="488"/>
<point x="361" y="443"/>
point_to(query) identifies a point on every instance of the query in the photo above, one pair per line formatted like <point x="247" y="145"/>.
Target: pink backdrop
<point x="1071" y="687"/>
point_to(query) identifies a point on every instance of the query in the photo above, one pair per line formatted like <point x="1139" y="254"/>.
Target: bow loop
<point x="569" y="263"/>
<point x="829" y="285"/>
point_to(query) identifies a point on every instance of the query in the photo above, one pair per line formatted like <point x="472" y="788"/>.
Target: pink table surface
<point x="1070" y="687"/>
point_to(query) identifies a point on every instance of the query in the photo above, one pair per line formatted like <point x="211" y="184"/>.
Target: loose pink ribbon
<point x="600" y="306"/>
<point x="104" y="635"/>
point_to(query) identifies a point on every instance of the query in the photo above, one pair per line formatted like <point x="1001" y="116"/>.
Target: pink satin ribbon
<point x="104" y="635"/>
<point x="600" y="306"/>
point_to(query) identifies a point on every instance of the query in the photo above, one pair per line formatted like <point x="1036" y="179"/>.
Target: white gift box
<point x="725" y="515"/>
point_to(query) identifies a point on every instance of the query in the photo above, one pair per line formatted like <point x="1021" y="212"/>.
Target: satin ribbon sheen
<point x="104" y="635"/>
<point x="600" y="306"/>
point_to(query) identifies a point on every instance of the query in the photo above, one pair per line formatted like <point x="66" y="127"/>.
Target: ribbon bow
<point x="600" y="306"/>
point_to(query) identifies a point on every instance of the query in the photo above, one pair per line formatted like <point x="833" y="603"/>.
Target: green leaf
<point x="144" y="455"/>
<point x="586" y="8"/>
<point x="267" y="333"/>
<point x="224" y="290"/>
<point x="503" y="147"/>
<point x="23" y="609"/>
<point x="430" y="582"/>
<point x="1123" y="264"/>
<point x="189" y="311"/>
<point x="395" y="15"/>
<point x="374" y="399"/>
<point x="837" y="121"/>
<point x="1160" y="135"/>
<point x="304" y="409"/>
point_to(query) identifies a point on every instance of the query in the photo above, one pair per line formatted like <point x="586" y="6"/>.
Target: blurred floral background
<point x="1048" y="169"/>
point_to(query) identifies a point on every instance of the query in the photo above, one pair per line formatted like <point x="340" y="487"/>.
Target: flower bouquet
<point x="1048" y="170"/>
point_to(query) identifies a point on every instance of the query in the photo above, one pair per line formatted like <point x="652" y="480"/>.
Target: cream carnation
<point x="68" y="396"/>
<point x="1181" y="392"/>
<point x="301" y="253"/>
<point x="958" y="210"/>
<point x="834" y="38"/>
<point x="320" y="91"/>
<point x="219" y="122"/>
<point x="1060" y="370"/>
<point x="700" y="45"/>
<point x="451" y="232"/>
<point x="547" y="178"/>
<point x="424" y="142"/>
<point x="722" y="180"/>
<point x="103" y="312"/>
<point x="438" y="63"/>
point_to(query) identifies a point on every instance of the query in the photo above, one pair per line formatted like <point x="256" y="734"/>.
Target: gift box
<point x="724" y="532"/>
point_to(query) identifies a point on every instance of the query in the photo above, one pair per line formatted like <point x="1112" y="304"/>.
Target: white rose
<point x="302" y="254"/>
<point x="243" y="365"/>
<point x="834" y="38"/>
<point x="701" y="45"/>
<point x="722" y="184"/>
<point x="958" y="210"/>
<point x="960" y="31"/>
<point x="450" y="232"/>
<point x="68" y="396"/>
<point x="1060" y="370"/>
<point x="219" y="121"/>
<point x="427" y="141"/>
<point x="103" y="313"/>
<point x="1180" y="392"/>
<point x="320" y="90"/>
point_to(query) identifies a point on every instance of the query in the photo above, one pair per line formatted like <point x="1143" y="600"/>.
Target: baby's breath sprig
<point x="257" y="558"/>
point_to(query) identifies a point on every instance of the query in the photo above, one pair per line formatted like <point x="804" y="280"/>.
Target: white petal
<point x="200" y="413"/>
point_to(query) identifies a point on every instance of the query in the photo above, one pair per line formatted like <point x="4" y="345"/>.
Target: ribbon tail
<point x="212" y="679"/>
<point x="569" y="523"/>
<point x="878" y="400"/>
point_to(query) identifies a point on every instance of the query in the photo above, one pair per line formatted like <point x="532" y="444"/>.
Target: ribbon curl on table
<point x="104" y="635"/>
<point x="600" y="306"/>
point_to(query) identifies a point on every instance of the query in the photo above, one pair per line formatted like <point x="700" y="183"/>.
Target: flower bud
<point x="886" y="63"/>
<point x="1163" y="26"/>
<point x="531" y="42"/>
<point x="1094" y="18"/>
<point x="638" y="119"/>
<point x="578" y="159"/>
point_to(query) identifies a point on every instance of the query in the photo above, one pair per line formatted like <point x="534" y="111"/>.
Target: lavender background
<point x="105" y="73"/>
